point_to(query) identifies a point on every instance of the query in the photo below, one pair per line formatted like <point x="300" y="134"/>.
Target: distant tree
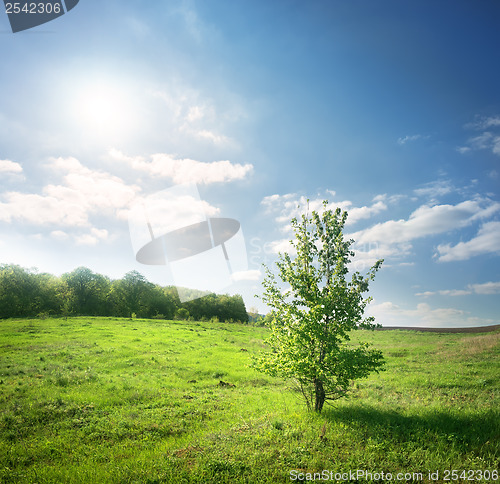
<point x="131" y="294"/>
<point x="198" y="308"/>
<point x="160" y="301"/>
<point x="253" y="314"/>
<point x="223" y="307"/>
<point x="182" y="314"/>
<point x="18" y="290"/>
<point x="265" y="320"/>
<point x="24" y="292"/>
<point x="238" y="310"/>
<point x="66" y="309"/>
<point x="116" y="301"/>
<point x="86" y="291"/>
<point x="49" y="294"/>
<point x="312" y="318"/>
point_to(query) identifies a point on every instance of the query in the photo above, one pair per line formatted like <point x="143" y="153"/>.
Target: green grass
<point x="108" y="400"/>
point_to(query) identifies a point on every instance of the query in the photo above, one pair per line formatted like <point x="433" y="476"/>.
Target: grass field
<point x="107" y="400"/>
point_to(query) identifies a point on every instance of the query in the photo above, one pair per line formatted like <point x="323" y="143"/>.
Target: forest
<point x="26" y="293"/>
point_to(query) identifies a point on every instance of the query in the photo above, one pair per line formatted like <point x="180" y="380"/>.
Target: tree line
<point x="27" y="293"/>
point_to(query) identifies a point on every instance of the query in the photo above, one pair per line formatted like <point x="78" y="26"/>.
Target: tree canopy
<point x="25" y="293"/>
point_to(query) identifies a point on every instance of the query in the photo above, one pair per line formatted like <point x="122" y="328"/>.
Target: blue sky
<point x="389" y="109"/>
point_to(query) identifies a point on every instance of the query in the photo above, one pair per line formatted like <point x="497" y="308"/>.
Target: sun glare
<point x="103" y="110"/>
<point x="99" y="107"/>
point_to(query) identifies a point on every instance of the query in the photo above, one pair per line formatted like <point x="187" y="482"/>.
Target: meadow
<point x="110" y="400"/>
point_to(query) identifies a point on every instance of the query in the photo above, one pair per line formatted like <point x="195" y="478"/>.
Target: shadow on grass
<point x="468" y="431"/>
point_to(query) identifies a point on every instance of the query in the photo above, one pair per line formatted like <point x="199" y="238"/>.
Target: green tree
<point x="182" y="314"/>
<point x="18" y="290"/>
<point x="48" y="297"/>
<point x="86" y="291"/>
<point x="131" y="295"/>
<point x="23" y="292"/>
<point x="160" y="302"/>
<point x="238" y="311"/>
<point x="312" y="318"/>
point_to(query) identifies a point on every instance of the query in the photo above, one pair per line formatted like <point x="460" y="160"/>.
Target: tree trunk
<point x="319" y="392"/>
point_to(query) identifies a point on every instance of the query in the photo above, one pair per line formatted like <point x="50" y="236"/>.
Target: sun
<point x="99" y="107"/>
<point x="102" y="109"/>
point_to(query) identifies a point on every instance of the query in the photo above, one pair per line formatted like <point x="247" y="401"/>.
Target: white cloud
<point x="96" y="190"/>
<point x="42" y="210"/>
<point x="197" y="117"/>
<point x="483" y="141"/>
<point x="405" y="139"/>
<point x="428" y="220"/>
<point x="195" y="113"/>
<point x="250" y="275"/>
<point x="282" y="245"/>
<point x="273" y="203"/>
<point x="92" y="238"/>
<point x="390" y="314"/>
<point x="216" y="139"/>
<point x="434" y="189"/>
<point x="191" y="20"/>
<point x="59" y="235"/>
<point x="285" y="207"/>
<point x="496" y="145"/>
<point x="82" y="192"/>
<point x="486" y="288"/>
<point x="484" y="123"/>
<point x="389" y="199"/>
<point x="185" y="170"/>
<point x="367" y="254"/>
<point x="175" y="103"/>
<point x="446" y="292"/>
<point x="487" y="241"/>
<point x="455" y="292"/>
<point x="489" y="139"/>
<point x="7" y="166"/>
<point x="290" y="205"/>
<point x="492" y="121"/>
<point x="86" y="239"/>
<point x="387" y="240"/>
<point x="365" y="212"/>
